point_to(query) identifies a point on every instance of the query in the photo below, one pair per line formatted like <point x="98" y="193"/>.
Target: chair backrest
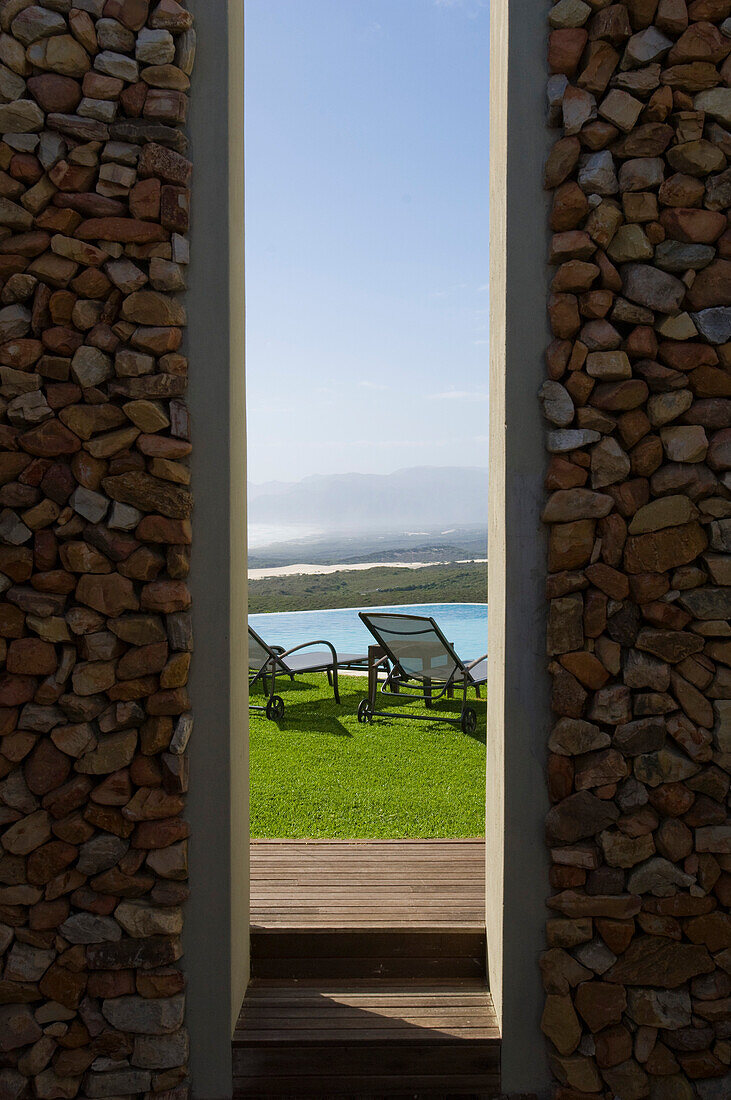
<point x="260" y="653"/>
<point x="414" y="643"/>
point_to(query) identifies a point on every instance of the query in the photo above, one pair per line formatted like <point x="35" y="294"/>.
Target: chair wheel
<point x="365" y="711"/>
<point x="275" y="708"/>
<point x="468" y="721"/>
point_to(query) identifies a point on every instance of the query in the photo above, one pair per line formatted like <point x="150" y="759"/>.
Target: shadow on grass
<point x="416" y="711"/>
<point x="325" y="716"/>
<point x="432" y="725"/>
<point x="282" y="686"/>
<point x="313" y="715"/>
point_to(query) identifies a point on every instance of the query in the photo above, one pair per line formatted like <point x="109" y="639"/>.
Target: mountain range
<point x="416" y="498"/>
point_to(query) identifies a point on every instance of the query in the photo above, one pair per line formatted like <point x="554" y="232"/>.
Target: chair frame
<point x="276" y="663"/>
<point x="397" y="675"/>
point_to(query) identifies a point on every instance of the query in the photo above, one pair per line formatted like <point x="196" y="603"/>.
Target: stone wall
<point x="95" y="639"/>
<point x="638" y="399"/>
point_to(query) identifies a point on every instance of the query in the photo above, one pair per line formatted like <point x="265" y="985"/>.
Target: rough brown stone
<point x="55" y="93"/>
<point x="614" y="906"/>
<point x="560" y="1024"/>
<point x="580" y="815"/>
<point x="165" y="164"/>
<point x="562" y="159"/>
<point x="149" y="307"/>
<point x="123" y="230"/>
<point x="665" y="549"/>
<point x="713" y="930"/>
<point x="31" y="657"/>
<point x="600" y="1004"/>
<point x="27" y="834"/>
<point x="623" y="851"/>
<point x="50" y="440"/>
<point x="110" y="594"/>
<point x="620" y="396"/>
<point x="611" y="705"/>
<point x="150" y="494"/>
<point x="671" y="511"/>
<point x="18" y="1027"/>
<point x="597" y="769"/>
<point x="114" y="751"/>
<point x="59" y="54"/>
<point x="565" y="624"/>
<point x="654" y="961"/>
<point x="570" y="545"/>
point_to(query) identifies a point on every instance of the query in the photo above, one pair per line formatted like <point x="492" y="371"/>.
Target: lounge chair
<point x="415" y="649"/>
<point x="267" y="662"/>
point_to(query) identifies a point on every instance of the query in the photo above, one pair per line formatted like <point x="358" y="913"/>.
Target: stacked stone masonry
<point x="637" y="971"/>
<point x="95" y="637"/>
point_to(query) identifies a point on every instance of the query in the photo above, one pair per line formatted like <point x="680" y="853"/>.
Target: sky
<point x="366" y="235"/>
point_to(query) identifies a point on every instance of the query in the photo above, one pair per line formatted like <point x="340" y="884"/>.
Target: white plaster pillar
<point x="518" y="690"/>
<point x="216" y="935"/>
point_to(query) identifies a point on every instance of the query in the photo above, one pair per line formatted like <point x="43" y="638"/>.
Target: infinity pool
<point x="464" y="624"/>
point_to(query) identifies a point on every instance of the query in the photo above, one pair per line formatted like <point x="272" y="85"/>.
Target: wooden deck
<point x="424" y="885"/>
<point x="368" y="964"/>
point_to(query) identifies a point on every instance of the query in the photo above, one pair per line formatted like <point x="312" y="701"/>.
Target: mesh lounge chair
<point x="416" y="650"/>
<point x="267" y="662"/>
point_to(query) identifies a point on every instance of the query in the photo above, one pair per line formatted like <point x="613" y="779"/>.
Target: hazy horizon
<point x="367" y="235"/>
<point x="360" y="473"/>
<point x="415" y="501"/>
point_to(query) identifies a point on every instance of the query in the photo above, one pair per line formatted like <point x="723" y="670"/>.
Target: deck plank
<point x="368" y="883"/>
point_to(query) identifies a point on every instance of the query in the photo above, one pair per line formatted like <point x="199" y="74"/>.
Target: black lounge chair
<point x="415" y="649"/>
<point x="267" y="662"/>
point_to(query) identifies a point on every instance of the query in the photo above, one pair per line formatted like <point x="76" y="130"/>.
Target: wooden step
<point x="368" y="965"/>
<point x="367" y="1038"/>
<point x="308" y="954"/>
<point x="367" y="909"/>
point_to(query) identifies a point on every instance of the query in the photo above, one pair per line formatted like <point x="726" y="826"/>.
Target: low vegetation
<point x="319" y="773"/>
<point x="465" y="544"/>
<point x="371" y="588"/>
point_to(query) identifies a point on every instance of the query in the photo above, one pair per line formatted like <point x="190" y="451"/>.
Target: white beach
<point x="323" y="570"/>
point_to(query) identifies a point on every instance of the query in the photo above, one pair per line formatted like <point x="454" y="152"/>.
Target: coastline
<point x="304" y="570"/>
<point x="373" y="607"/>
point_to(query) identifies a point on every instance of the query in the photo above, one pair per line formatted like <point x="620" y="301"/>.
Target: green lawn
<point x="377" y="587"/>
<point x="319" y="773"/>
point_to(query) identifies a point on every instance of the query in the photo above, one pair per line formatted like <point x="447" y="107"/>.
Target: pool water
<point x="464" y="624"/>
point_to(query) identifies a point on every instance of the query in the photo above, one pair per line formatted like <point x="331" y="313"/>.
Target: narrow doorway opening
<point x="367" y="303"/>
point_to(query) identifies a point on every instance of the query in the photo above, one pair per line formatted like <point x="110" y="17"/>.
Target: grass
<point x="319" y="773"/>
<point x="371" y="587"/>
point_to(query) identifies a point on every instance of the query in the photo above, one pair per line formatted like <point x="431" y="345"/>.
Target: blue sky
<point x="367" y="235"/>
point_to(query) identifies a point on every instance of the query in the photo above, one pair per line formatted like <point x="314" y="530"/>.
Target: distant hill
<point x="419" y="498"/>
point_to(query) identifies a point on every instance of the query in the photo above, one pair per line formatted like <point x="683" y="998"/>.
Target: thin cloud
<point x="458" y="395"/>
<point x="447" y="291"/>
<point x="472" y="8"/>
<point x="398" y="444"/>
<point x="373" y="32"/>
